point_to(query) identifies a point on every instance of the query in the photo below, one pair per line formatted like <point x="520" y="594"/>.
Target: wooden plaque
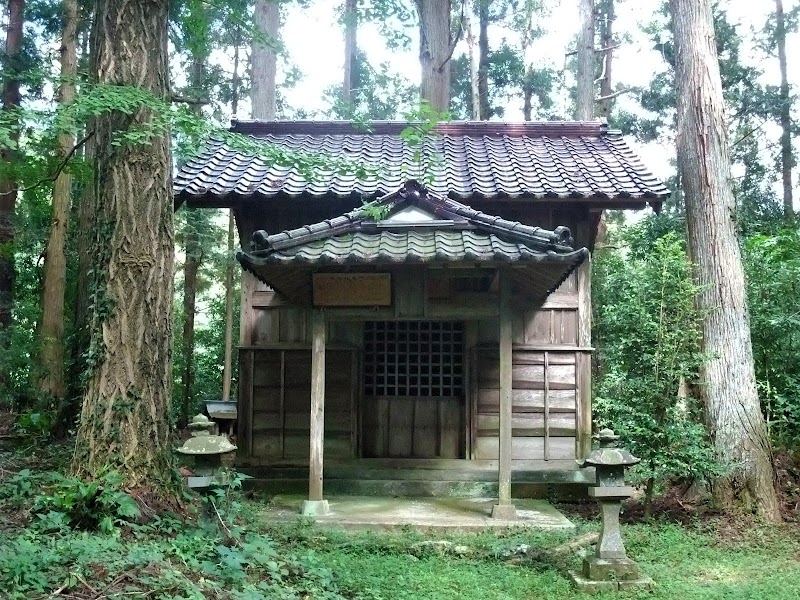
<point x="352" y="289"/>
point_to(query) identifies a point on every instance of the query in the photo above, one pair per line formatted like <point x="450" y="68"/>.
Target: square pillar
<point x="315" y="505"/>
<point x="504" y="509"/>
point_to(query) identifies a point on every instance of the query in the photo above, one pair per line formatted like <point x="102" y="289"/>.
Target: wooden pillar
<point x="504" y="509"/>
<point x="315" y="505"/>
<point x="584" y="358"/>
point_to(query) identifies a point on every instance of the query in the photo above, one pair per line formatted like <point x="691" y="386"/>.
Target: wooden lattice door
<point x="413" y="402"/>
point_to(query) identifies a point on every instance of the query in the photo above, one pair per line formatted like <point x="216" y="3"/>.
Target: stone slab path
<point x="438" y="514"/>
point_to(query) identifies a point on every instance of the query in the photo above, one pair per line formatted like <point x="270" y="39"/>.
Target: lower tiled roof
<point x="413" y="246"/>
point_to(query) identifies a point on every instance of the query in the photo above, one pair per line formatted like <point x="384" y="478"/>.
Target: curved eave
<point x="536" y="274"/>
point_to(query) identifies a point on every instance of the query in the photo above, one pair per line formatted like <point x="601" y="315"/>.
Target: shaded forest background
<point x="647" y="326"/>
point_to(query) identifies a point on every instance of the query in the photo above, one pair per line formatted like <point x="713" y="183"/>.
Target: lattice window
<point x="413" y="358"/>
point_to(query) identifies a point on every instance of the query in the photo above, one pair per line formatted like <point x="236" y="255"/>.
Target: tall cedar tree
<point x="8" y="185"/>
<point x="125" y="420"/>
<point x="733" y="412"/>
<point x="483" y="64"/>
<point x="51" y="330"/>
<point x="584" y="100"/>
<point x="436" y="45"/>
<point x="263" y="60"/>
<point x="608" y="14"/>
<point x="787" y="160"/>
<point x="350" y="47"/>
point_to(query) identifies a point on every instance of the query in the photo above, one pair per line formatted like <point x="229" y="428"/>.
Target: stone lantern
<point x="610" y="569"/>
<point x="209" y="454"/>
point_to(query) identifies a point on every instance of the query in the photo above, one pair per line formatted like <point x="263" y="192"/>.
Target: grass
<point x="171" y="559"/>
<point x="686" y="562"/>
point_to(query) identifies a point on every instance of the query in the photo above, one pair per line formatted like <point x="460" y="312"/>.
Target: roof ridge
<point x="596" y="128"/>
<point x="559" y="239"/>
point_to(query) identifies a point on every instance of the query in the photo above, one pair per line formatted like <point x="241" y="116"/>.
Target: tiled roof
<point x="452" y="232"/>
<point x="478" y="159"/>
<point x="409" y="246"/>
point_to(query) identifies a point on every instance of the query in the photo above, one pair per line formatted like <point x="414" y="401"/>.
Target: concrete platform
<point x="437" y="514"/>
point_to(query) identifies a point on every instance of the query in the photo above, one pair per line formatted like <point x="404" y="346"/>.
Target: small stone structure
<point x="610" y="569"/>
<point x="209" y="455"/>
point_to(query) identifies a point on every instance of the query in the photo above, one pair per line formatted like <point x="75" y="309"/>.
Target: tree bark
<point x="191" y="266"/>
<point x="733" y="412"/>
<point x="607" y="43"/>
<point x="350" y="47"/>
<point x="264" y="61"/>
<point x="436" y="45"/>
<point x="227" y="364"/>
<point x="475" y="96"/>
<point x="51" y="331"/>
<point x="483" y="66"/>
<point x="584" y="100"/>
<point x="125" y="420"/>
<point x="787" y="160"/>
<point x="8" y="185"/>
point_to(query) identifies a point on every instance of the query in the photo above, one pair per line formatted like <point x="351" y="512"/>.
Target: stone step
<point x="576" y="476"/>
<point x="416" y="488"/>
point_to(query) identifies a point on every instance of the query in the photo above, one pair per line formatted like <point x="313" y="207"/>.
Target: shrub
<point x="648" y="332"/>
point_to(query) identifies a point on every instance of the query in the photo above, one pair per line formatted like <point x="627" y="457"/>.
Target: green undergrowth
<point x="230" y="549"/>
<point x="707" y="561"/>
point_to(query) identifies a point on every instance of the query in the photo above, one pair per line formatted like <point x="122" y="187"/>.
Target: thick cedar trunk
<point x="8" y="185"/>
<point x="435" y="51"/>
<point x="787" y="160"/>
<point x="584" y="100"/>
<point x="125" y="421"/>
<point x="263" y="60"/>
<point x="51" y="331"/>
<point x="733" y="412"/>
<point x="483" y="67"/>
<point x="350" y="47"/>
<point x="228" y="361"/>
<point x="475" y="96"/>
<point x="607" y="43"/>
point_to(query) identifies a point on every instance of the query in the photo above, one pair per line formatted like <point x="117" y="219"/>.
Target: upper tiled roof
<point x="479" y="159"/>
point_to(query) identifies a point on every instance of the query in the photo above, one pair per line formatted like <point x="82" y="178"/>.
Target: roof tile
<point x="490" y="160"/>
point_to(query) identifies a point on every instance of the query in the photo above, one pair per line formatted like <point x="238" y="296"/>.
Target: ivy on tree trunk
<point x="125" y="419"/>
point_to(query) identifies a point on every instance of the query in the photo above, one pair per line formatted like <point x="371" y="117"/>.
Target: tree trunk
<point x="191" y="266"/>
<point x="80" y="336"/>
<point x="125" y="421"/>
<point x="8" y="185"/>
<point x="475" y="96"/>
<point x="435" y="50"/>
<point x="263" y="60"/>
<point x="607" y="43"/>
<point x="483" y="67"/>
<point x="787" y="160"/>
<point x="51" y="331"/>
<point x="733" y="412"/>
<point x="350" y="47"/>
<point x="527" y="94"/>
<point x="584" y="100"/>
<point x="227" y="364"/>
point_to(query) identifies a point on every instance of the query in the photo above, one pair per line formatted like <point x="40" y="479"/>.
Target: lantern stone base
<point x="316" y="508"/>
<point x="609" y="575"/>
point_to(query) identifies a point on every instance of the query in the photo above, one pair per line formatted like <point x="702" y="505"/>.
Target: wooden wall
<point x="274" y="410"/>
<point x="551" y="359"/>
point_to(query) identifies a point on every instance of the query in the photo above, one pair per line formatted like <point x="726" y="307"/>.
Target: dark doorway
<point x="414" y="395"/>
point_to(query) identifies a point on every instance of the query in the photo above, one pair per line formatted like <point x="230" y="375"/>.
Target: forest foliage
<point x="643" y="280"/>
